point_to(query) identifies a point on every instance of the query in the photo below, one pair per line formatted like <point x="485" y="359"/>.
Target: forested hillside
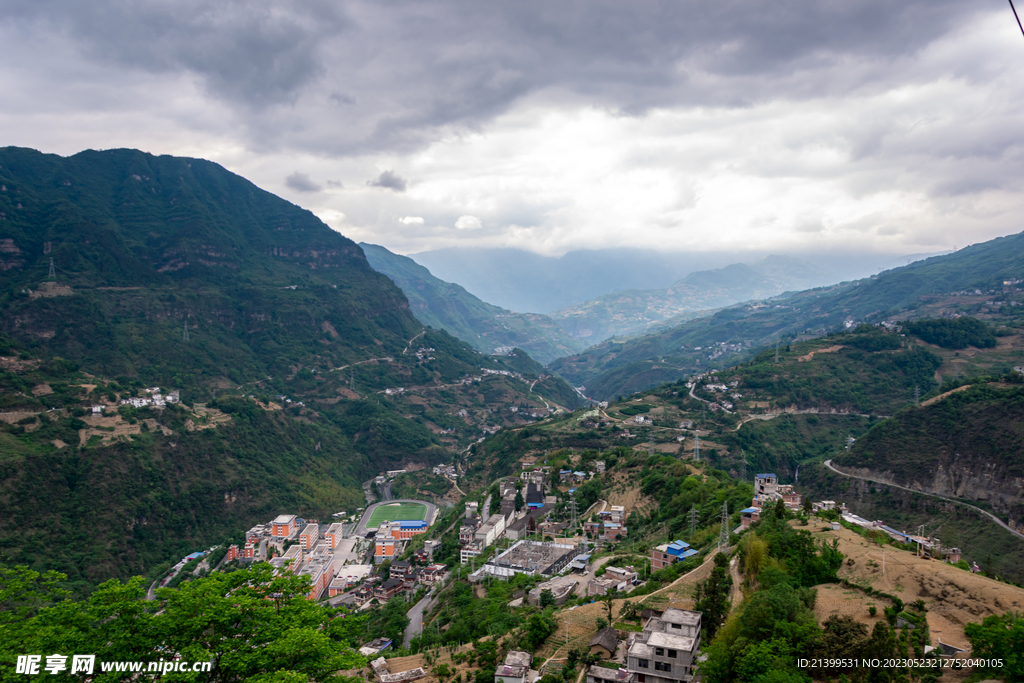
<point x="729" y="336"/>
<point x="300" y="370"/>
<point x="447" y="306"/>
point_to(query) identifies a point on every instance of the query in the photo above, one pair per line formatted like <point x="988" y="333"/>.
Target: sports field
<point x="388" y="513"/>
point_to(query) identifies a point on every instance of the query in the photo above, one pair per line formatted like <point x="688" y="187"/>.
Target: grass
<point x="401" y="511"/>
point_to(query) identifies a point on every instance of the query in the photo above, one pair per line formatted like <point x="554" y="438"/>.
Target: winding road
<point x="828" y="464"/>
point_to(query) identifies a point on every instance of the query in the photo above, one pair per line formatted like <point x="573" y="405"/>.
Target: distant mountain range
<point x="524" y="281"/>
<point x="623" y="366"/>
<point x="489" y="328"/>
<point x="633" y="311"/>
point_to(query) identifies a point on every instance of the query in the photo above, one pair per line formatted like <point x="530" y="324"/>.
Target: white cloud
<point x="468" y="223"/>
<point x="411" y="220"/>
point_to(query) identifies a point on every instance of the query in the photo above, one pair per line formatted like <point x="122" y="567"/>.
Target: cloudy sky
<point x="791" y="125"/>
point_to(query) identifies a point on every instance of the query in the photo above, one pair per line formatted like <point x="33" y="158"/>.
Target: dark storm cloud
<point x="252" y="53"/>
<point x="364" y="76"/>
<point x="300" y="182"/>
<point x="389" y="180"/>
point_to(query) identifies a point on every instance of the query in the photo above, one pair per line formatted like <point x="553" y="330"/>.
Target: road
<point x="828" y="464"/>
<point x="415" y="626"/>
<point x="581" y="587"/>
<point x="693" y="395"/>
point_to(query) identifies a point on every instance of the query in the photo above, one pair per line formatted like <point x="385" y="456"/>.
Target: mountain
<point x="301" y="370"/>
<point x="942" y="285"/>
<point x="449" y="307"/>
<point x="524" y="281"/>
<point x="633" y="311"/>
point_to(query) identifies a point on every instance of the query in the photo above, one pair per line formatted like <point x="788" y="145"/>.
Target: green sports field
<point x="388" y="513"/>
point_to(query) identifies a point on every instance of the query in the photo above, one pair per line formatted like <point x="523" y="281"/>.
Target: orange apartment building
<point x="283" y="526"/>
<point x="333" y="535"/>
<point x="310" y="535"/>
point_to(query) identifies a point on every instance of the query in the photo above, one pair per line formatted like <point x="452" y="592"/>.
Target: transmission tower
<point x="776" y="351"/>
<point x="696" y="445"/>
<point x="572" y="512"/>
<point x="184" y="333"/>
<point x="693" y="520"/>
<point x="53" y="271"/>
<point x="650" y="447"/>
<point x="917" y="394"/>
<point x="743" y="466"/>
<point x="723" y="533"/>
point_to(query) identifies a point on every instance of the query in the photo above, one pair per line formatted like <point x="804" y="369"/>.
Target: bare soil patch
<point x="809" y="356"/>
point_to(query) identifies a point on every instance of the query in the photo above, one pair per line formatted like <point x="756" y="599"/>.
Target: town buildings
<point x="666" y="649"/>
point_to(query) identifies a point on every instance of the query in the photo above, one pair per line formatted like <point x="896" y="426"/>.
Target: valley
<point x="184" y="356"/>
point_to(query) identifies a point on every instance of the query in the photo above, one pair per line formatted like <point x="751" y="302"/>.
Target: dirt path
<point x="935" y="399"/>
<point x="828" y="464"/>
<point x="734" y="572"/>
<point x="407" y="346"/>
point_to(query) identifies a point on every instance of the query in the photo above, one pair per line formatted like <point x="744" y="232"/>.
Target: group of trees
<point x="775" y="626"/>
<point x="250" y="624"/>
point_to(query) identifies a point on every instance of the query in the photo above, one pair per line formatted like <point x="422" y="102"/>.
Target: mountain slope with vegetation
<point x="300" y="369"/>
<point x="633" y="311"/>
<point x="447" y="306"/>
<point x="966" y="281"/>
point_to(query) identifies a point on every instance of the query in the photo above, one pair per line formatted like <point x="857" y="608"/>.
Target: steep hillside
<point x="449" y="307"/>
<point x="968" y="281"/>
<point x="632" y="311"/>
<point x="969" y="445"/>
<point x="300" y="369"/>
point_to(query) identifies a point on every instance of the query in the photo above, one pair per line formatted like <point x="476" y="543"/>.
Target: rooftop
<point x="671" y="641"/>
<point x="284" y="519"/>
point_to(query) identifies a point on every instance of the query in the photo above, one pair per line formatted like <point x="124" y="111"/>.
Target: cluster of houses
<point x="390" y="538"/>
<point x="663" y="652"/>
<point x="478" y="533"/>
<point x="308" y="548"/>
<point x="404" y="577"/>
<point x="155" y="398"/>
<point x="768" y="490"/>
<point x="610" y="525"/>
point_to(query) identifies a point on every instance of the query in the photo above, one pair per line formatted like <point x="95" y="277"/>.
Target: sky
<point x="865" y="126"/>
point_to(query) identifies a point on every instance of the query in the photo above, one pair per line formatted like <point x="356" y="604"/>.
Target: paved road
<point x="415" y="626"/>
<point x="387" y="491"/>
<point x="828" y="464"/>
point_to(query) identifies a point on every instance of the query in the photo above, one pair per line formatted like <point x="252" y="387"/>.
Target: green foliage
<point x="953" y="333"/>
<point x="713" y="597"/>
<point x="250" y="624"/>
<point x="1001" y="637"/>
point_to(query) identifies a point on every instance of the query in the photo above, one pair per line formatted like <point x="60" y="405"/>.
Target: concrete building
<point x="600" y="674"/>
<point x="667" y="553"/>
<point x="283" y="526"/>
<point x="309" y="536"/>
<point x="333" y="535"/>
<point x="516" y="668"/>
<point x="749" y="516"/>
<point x="666" y="649"/>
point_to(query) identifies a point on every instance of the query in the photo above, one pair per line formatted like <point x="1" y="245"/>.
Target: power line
<point x="1016" y="17"/>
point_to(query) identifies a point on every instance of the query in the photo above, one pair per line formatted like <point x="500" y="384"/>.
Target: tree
<point x="547" y="599"/>
<point x="780" y="509"/>
<point x="1000" y="637"/>
<point x="713" y="596"/>
<point x="519" y="501"/>
<point x="495" y="495"/>
<point x="250" y="624"/>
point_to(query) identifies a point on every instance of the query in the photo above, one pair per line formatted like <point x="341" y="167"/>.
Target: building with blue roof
<point x="667" y="553"/>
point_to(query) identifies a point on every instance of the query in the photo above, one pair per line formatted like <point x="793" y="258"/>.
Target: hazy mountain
<point x="525" y="281"/>
<point x="728" y="336"/>
<point x="632" y="311"/>
<point x="449" y="307"/>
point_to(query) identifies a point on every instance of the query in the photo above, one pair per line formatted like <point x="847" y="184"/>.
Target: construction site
<point x="528" y="557"/>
